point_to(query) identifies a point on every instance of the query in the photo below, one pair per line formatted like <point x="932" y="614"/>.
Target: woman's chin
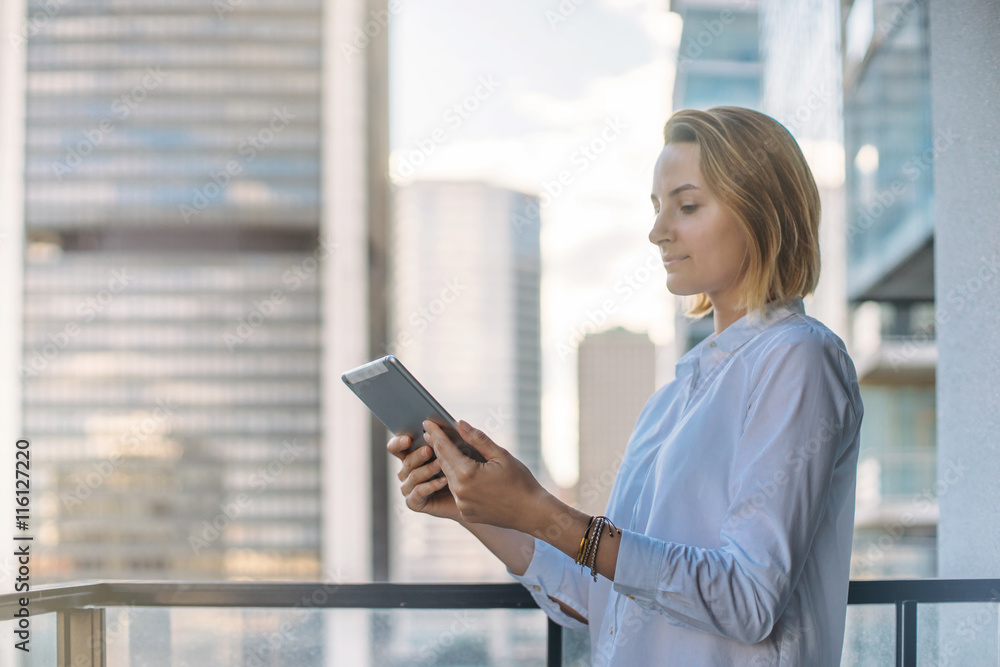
<point x="678" y="289"/>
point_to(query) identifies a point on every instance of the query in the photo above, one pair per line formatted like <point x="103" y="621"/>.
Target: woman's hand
<point x="422" y="493"/>
<point x="500" y="492"/>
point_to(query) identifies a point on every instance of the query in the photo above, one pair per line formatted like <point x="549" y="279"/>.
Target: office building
<point x="466" y="320"/>
<point x="188" y="228"/>
<point x="171" y="338"/>
<point x="889" y="187"/>
<point x="718" y="61"/>
<point x="616" y="375"/>
<point x="201" y="186"/>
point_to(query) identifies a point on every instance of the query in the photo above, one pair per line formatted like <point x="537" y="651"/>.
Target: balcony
<point x="85" y="624"/>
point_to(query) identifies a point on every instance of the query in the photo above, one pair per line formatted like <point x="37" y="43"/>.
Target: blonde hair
<point x="755" y="168"/>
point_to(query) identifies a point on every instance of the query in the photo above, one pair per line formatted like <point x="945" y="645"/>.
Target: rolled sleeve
<point x="703" y="589"/>
<point x="799" y="426"/>
<point x="551" y="572"/>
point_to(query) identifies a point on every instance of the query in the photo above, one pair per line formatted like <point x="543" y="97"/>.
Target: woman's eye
<point x="689" y="209"/>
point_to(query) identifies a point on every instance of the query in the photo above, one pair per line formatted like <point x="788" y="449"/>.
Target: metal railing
<point x="906" y="594"/>
<point x="80" y="607"/>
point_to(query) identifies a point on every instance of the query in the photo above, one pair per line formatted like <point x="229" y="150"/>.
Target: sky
<point x="566" y="100"/>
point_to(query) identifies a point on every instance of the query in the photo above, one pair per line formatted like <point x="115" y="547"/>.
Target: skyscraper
<point x="171" y="322"/>
<point x="187" y="231"/>
<point x="616" y="376"/>
<point x="466" y="320"/>
<point x="891" y="150"/>
<point x="718" y="60"/>
<point x="202" y="189"/>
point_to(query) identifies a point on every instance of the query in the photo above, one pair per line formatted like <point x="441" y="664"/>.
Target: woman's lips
<point x="669" y="263"/>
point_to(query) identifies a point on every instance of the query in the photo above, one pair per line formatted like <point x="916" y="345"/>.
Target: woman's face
<point x="690" y="223"/>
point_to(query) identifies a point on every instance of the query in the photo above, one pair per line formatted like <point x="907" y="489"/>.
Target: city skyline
<point x="582" y="133"/>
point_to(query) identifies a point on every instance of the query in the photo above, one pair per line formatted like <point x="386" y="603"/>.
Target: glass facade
<point x="890" y="150"/>
<point x="175" y="403"/>
<point x="896" y="513"/>
<point x="718" y="61"/>
<point x="172" y="324"/>
<point x="173" y="114"/>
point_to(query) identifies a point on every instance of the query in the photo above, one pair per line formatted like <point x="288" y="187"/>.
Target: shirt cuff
<point x="640" y="576"/>
<point x="550" y="573"/>
<point x="635" y="576"/>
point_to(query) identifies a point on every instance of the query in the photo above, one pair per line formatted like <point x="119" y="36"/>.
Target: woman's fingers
<point x="422" y="491"/>
<point x="398" y="445"/>
<point x="414" y="460"/>
<point x="419" y="476"/>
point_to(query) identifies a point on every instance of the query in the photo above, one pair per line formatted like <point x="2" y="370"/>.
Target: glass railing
<point x="154" y="624"/>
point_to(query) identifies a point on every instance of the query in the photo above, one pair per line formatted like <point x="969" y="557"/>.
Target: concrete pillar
<point x="965" y="93"/>
<point x="13" y="31"/>
<point x="346" y="439"/>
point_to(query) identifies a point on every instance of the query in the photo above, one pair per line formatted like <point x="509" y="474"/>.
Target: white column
<point x="965" y="84"/>
<point x="346" y="423"/>
<point x="12" y="72"/>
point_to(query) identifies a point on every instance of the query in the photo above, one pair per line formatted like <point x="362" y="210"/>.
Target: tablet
<point x="402" y="404"/>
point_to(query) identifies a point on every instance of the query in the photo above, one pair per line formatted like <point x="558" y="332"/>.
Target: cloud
<point x="662" y="27"/>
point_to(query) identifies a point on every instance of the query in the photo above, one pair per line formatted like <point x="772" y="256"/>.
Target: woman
<point x="729" y="525"/>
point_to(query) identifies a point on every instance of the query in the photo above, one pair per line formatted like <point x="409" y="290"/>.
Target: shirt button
<point x="537" y="587"/>
<point x="712" y="344"/>
<point x="611" y="629"/>
<point x="629" y="596"/>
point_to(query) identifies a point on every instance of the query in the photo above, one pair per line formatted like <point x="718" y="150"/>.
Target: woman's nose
<point x="658" y="233"/>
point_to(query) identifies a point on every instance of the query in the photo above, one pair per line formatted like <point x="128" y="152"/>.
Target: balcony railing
<point x="80" y="608"/>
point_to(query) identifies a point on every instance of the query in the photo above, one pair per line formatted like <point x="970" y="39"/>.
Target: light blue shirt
<point x="736" y="497"/>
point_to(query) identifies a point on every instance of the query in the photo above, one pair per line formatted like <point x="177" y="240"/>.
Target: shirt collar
<point x="737" y="334"/>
